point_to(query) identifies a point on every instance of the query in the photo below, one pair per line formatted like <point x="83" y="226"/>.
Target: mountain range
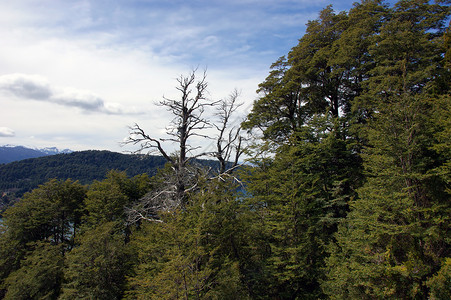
<point x="10" y="153"/>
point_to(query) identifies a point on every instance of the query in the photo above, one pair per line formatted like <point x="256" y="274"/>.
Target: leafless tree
<point x="188" y="122"/>
<point x="229" y="141"/>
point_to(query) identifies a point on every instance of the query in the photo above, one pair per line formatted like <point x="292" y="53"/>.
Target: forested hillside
<point x="346" y="193"/>
<point x="19" y="177"/>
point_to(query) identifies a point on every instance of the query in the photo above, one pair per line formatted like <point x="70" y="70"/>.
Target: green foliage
<point x="85" y="166"/>
<point x="39" y="235"/>
<point x="40" y="224"/>
<point x="440" y="283"/>
<point x="350" y="199"/>
<point x="96" y="268"/>
<point x="395" y="235"/>
<point x="39" y="276"/>
<point x="192" y="253"/>
<point x="105" y="200"/>
<point x="51" y="212"/>
<point x="441" y="119"/>
<point x="303" y="194"/>
<point x="19" y="177"/>
<point x="322" y="74"/>
<point x="11" y="252"/>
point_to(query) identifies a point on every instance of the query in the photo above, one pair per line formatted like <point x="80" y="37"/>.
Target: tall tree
<point x="51" y="212"/>
<point x="305" y="112"/>
<point x="303" y="194"/>
<point x="394" y="238"/>
<point x="320" y="76"/>
<point x="106" y="200"/>
<point x="40" y="275"/>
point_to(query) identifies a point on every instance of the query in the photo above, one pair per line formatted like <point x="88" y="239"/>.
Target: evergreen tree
<point x="51" y="212"/>
<point x="306" y="113"/>
<point x="322" y="74"/>
<point x="394" y="238"/>
<point x="303" y="194"/>
<point x="39" y="276"/>
<point x="43" y="223"/>
<point x="97" y="267"/>
<point x="106" y="200"/>
<point x="191" y="253"/>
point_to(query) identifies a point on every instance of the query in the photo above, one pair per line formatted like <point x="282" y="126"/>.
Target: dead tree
<point x="188" y="122"/>
<point x="229" y="141"/>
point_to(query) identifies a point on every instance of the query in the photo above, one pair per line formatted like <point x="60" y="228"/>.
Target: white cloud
<point x="6" y="132"/>
<point x="35" y="87"/>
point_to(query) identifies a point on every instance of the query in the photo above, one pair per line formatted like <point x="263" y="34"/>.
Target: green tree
<point x="42" y="223"/>
<point x="106" y="200"/>
<point x="394" y="238"/>
<point x="439" y="283"/>
<point x="322" y="74"/>
<point x="303" y="194"/>
<point x="97" y="267"/>
<point x="191" y="253"/>
<point x="305" y="113"/>
<point x="39" y="276"/>
<point x="11" y="252"/>
<point x="51" y="212"/>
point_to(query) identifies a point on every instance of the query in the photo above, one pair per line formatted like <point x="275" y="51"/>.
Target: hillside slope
<point x="19" y="177"/>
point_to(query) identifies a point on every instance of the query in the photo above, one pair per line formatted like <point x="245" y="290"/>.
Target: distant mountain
<point x="19" y="177"/>
<point x="54" y="150"/>
<point x="10" y="153"/>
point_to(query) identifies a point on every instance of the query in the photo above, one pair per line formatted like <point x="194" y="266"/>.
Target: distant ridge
<point x="11" y="153"/>
<point x="19" y="177"/>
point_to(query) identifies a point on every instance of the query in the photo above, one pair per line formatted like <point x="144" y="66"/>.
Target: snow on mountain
<point x="10" y="153"/>
<point x="54" y="150"/>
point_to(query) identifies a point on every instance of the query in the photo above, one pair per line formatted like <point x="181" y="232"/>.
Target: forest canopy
<point x="346" y="193"/>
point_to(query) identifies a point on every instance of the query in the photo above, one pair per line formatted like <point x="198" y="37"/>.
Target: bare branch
<point x="225" y="143"/>
<point x="138" y="136"/>
<point x="188" y="121"/>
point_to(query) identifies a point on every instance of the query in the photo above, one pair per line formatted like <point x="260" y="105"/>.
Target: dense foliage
<point x="346" y="194"/>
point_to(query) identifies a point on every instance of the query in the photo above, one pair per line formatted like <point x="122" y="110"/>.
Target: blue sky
<point x="76" y="74"/>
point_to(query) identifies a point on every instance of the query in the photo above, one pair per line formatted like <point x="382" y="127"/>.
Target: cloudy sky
<point x="76" y="73"/>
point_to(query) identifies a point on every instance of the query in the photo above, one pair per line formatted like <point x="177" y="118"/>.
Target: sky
<point x="78" y="73"/>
